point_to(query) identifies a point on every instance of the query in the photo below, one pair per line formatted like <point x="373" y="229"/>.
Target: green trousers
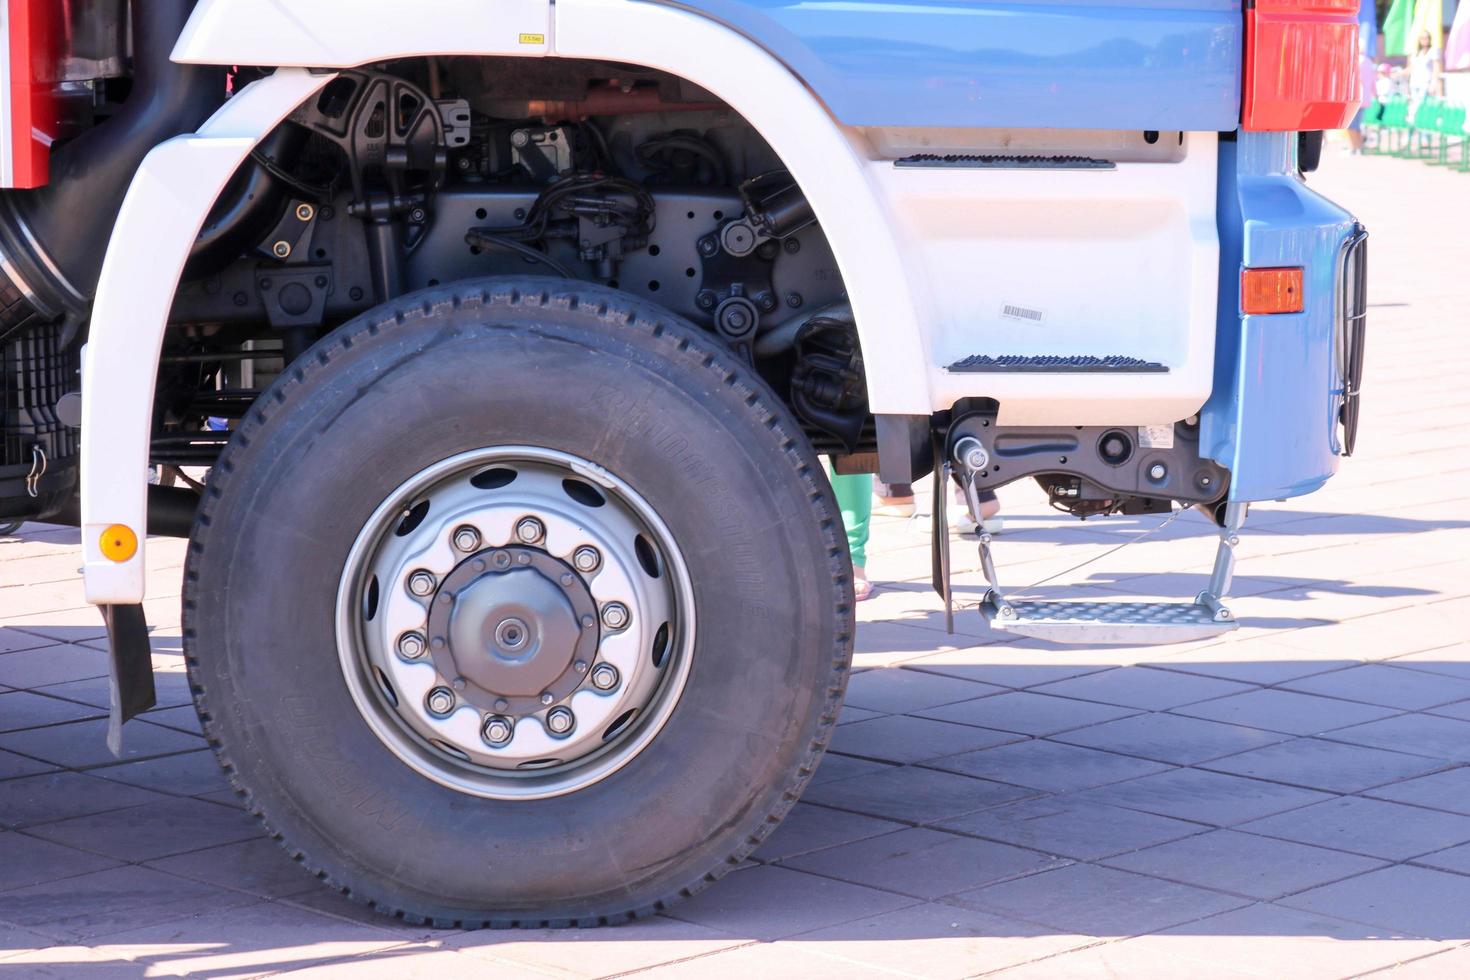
<point x="855" y="500"/>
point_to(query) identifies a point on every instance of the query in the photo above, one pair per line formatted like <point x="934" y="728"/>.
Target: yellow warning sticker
<point x="533" y="38"/>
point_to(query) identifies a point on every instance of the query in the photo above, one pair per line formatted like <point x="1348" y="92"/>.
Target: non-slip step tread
<point x="1107" y="622"/>
<point x="996" y="161"/>
<point x="1056" y="364"/>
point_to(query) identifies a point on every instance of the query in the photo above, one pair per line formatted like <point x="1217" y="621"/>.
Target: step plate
<point x="1055" y="364"/>
<point x="1099" y="623"/>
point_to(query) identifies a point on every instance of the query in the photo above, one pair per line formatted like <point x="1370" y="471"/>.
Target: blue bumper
<point x="1275" y="417"/>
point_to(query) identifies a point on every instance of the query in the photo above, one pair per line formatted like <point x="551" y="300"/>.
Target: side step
<point x="1107" y="623"/>
<point x="1055" y="364"/>
<point x="1080" y="621"/>
<point x="989" y="161"/>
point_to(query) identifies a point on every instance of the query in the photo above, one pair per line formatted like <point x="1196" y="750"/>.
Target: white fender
<point x="165" y="207"/>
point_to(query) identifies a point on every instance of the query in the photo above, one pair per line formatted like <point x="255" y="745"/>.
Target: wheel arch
<point x="181" y="179"/>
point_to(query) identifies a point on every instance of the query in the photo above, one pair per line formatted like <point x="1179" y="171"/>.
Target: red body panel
<point x="35" y="33"/>
<point x="1301" y="65"/>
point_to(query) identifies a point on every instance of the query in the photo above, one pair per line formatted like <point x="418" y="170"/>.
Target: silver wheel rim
<point x="515" y="623"/>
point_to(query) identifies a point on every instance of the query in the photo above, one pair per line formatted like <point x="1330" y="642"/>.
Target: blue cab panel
<point x="1272" y="417"/>
<point x="1065" y="64"/>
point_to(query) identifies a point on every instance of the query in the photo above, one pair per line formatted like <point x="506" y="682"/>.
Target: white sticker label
<point x="1156" y="437"/>
<point x="1012" y="311"/>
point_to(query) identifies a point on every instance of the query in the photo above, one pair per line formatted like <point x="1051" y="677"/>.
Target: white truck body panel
<point x="1118" y="262"/>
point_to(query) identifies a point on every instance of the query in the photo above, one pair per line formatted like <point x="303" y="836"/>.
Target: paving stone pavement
<point x="1290" y="801"/>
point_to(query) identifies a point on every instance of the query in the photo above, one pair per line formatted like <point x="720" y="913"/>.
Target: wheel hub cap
<point x="515" y="623"/>
<point x="508" y="622"/>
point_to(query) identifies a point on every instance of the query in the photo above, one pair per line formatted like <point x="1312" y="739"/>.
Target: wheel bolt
<point x="615" y="615"/>
<point x="605" y="677"/>
<point x="560" y="720"/>
<point x="440" y="700"/>
<point x="586" y="558"/>
<point x="466" y="538"/>
<point x="528" y="529"/>
<point x="411" y="646"/>
<point x="421" y="583"/>
<point x="497" y="730"/>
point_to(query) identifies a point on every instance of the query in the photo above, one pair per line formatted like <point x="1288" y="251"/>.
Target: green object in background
<point x="855" y="500"/>
<point x="1396" y="26"/>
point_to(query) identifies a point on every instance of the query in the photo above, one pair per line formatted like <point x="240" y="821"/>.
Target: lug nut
<point x="615" y="615"/>
<point x="411" y="646"/>
<point x="466" y="538"/>
<point x="528" y="529"/>
<point x="440" y="700"/>
<point x="560" y="720"/>
<point x="586" y="558"/>
<point x="421" y="583"/>
<point x="497" y="730"/>
<point x="605" y="677"/>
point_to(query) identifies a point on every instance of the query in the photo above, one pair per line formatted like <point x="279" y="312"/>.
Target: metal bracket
<point x="1224" y="570"/>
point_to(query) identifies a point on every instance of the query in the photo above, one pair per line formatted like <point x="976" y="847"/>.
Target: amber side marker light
<point x="119" y="543"/>
<point x="1271" y="291"/>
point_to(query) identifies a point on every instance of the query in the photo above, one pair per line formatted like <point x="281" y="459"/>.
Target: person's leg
<point x="855" y="500"/>
<point x="894" y="499"/>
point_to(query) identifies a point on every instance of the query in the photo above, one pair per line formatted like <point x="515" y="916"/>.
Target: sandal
<point x="862" y="589"/>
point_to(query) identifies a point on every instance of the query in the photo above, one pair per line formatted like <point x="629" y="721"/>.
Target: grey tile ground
<point x="1375" y="828"/>
<point x="1170" y="738"/>
<point x="924" y="863"/>
<point x="1243" y="864"/>
<point x="1071" y="828"/>
<point x="1319" y="764"/>
<point x="1048" y="766"/>
<point x="1027" y="713"/>
<point x="1352" y="631"/>
<point x="1098" y="901"/>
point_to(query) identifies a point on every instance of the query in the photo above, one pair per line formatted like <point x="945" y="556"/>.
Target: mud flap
<point x="130" y="666"/>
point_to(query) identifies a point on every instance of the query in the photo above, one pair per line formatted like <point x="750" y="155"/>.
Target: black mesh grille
<point x="35" y="373"/>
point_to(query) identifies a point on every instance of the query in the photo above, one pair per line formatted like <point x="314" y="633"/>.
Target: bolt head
<point x="440" y="700"/>
<point x="560" y="720"/>
<point x="305" y="212"/>
<point x="605" y="677"/>
<point x="586" y="558"/>
<point x="421" y="583"/>
<point x="466" y="538"/>
<point x="546" y="697"/>
<point x="529" y="529"/>
<point x="615" y="615"/>
<point x="580" y="666"/>
<point x="411" y="646"/>
<point x="497" y="730"/>
<point x="281" y="249"/>
<point x="1158" y="471"/>
<point x="977" y="459"/>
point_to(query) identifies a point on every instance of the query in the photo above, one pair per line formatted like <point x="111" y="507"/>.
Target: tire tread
<point x="619" y="311"/>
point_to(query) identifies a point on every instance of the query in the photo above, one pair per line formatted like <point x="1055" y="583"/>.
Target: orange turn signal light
<point x="1271" y="291"/>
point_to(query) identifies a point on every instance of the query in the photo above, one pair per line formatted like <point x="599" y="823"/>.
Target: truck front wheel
<point x="518" y="603"/>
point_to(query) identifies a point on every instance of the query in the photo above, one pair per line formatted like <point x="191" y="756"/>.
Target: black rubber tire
<point x="567" y="366"/>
